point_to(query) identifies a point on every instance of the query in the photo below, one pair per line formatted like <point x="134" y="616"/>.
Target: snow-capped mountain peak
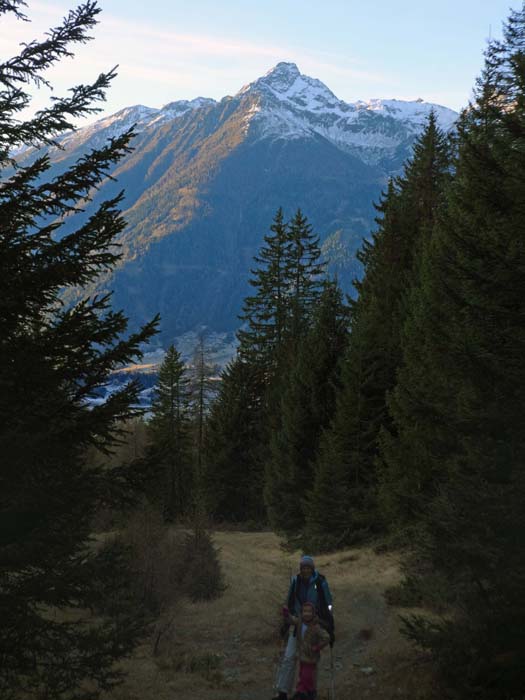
<point x="172" y="110"/>
<point x="281" y="77"/>
<point x="286" y="104"/>
<point x="285" y="83"/>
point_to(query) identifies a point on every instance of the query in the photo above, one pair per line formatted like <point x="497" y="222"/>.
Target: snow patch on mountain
<point x="292" y="105"/>
<point x="176" y="109"/>
<point x="250" y="113"/>
<point x="139" y="116"/>
<point x="285" y="104"/>
<point x="414" y="112"/>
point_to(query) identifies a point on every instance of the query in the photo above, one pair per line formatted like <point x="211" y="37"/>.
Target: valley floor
<point x="227" y="649"/>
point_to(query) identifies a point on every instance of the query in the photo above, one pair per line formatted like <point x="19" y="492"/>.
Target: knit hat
<point x="309" y="604"/>
<point x="306" y="561"/>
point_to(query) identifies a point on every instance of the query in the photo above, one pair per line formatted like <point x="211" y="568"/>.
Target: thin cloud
<point x="167" y="41"/>
<point x="118" y="38"/>
<point x="159" y="39"/>
<point x="157" y="65"/>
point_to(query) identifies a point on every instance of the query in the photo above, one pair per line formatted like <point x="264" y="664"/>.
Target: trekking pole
<point x="332" y="674"/>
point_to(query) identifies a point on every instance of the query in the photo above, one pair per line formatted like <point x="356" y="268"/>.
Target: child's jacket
<point x="309" y="638"/>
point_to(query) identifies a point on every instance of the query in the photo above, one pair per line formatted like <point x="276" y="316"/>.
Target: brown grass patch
<point x="239" y="631"/>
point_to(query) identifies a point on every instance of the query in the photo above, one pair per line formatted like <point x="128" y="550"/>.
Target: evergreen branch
<point x="48" y="123"/>
<point x="13" y="7"/>
<point x="39" y="56"/>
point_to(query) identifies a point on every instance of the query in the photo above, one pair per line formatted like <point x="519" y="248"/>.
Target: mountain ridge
<point x="206" y="177"/>
<point x="281" y="93"/>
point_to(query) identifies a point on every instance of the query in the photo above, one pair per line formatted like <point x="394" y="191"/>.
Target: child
<point x="311" y="638"/>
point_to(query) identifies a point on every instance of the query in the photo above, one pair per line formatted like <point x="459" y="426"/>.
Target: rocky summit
<point x="205" y="179"/>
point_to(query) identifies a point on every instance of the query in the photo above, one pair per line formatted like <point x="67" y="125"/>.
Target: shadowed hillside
<point x="205" y="178"/>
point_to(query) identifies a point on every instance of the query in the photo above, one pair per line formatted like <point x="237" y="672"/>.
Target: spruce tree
<point x="348" y="449"/>
<point x="304" y="272"/>
<point x="288" y="283"/>
<point x="334" y="503"/>
<point x="307" y="401"/>
<point x="340" y="506"/>
<point x="303" y="285"/>
<point x="53" y="359"/>
<point x="233" y="473"/>
<point x="390" y="261"/>
<point x="455" y="458"/>
<point x="287" y="286"/>
<point x="170" y="430"/>
<point x="266" y="312"/>
<point x="259" y="353"/>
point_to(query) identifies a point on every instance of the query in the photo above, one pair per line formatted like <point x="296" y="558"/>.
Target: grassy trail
<point x="226" y="649"/>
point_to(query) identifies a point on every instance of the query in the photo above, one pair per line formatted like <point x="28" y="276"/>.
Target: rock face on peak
<point x="284" y="86"/>
<point x="281" y="77"/>
<point x="206" y="178"/>
<point x="292" y="105"/>
<point x="285" y="83"/>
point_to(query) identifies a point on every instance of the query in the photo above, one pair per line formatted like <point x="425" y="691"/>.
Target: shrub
<point x="202" y="577"/>
<point x="154" y="560"/>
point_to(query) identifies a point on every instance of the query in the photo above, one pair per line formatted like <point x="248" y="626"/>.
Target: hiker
<point x="311" y="638"/>
<point x="307" y="586"/>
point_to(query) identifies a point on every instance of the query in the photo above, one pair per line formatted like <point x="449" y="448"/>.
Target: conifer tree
<point x="349" y="448"/>
<point x="340" y="506"/>
<point x="203" y="386"/>
<point x="287" y="286"/>
<point x="261" y="341"/>
<point x="422" y="187"/>
<point x="53" y="359"/>
<point x="303" y="285"/>
<point x="266" y="312"/>
<point x="304" y="273"/>
<point x="307" y="401"/>
<point x="233" y="475"/>
<point x="334" y="504"/>
<point x="171" y="435"/>
<point x="455" y="458"/>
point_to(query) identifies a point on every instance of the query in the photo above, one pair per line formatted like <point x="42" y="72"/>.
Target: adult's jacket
<point x="315" y="591"/>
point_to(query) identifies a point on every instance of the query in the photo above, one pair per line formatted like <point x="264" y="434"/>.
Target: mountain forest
<point x="388" y="418"/>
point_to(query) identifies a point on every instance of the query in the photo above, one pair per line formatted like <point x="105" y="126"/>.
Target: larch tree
<point x="203" y="387"/>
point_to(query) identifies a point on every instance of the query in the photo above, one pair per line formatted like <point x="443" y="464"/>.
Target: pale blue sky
<point x="180" y="49"/>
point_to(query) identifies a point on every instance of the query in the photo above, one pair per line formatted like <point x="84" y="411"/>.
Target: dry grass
<point x="226" y="649"/>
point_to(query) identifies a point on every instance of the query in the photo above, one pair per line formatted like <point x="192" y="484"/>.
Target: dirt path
<point x="226" y="649"/>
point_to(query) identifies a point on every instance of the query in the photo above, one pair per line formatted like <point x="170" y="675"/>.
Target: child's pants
<point x="307" y="680"/>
